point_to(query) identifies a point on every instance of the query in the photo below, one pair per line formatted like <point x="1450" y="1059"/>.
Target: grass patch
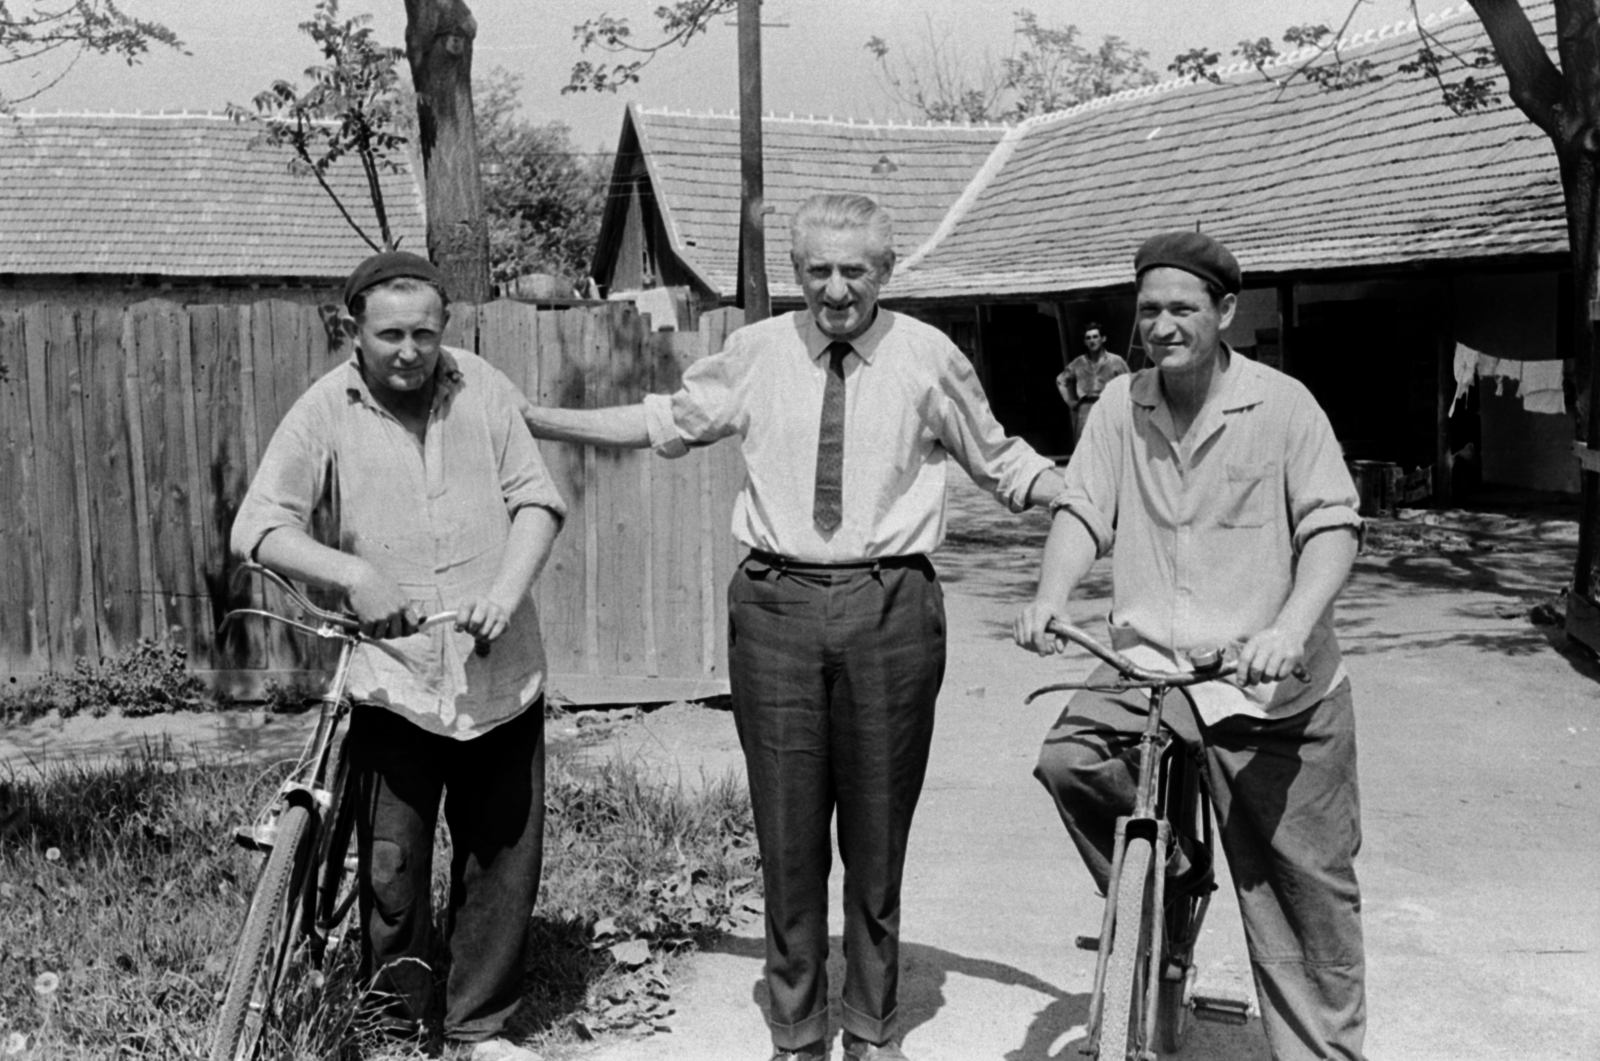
<point x="122" y="893"/>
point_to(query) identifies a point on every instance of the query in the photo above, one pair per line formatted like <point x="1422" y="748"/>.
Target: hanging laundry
<point x="1538" y="382"/>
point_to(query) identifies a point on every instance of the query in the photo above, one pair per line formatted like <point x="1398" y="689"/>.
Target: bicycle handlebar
<point x="333" y="625"/>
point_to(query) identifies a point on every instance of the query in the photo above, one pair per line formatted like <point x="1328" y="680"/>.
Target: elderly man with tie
<point x="846" y="413"/>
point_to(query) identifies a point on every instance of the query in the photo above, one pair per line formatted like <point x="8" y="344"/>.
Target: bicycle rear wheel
<point x="1127" y="966"/>
<point x="264" y="945"/>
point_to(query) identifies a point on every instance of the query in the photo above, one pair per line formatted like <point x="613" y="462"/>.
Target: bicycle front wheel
<point x="264" y="945"/>
<point x="1127" y="965"/>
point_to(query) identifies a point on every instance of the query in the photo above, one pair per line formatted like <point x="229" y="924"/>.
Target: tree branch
<point x="1535" y="85"/>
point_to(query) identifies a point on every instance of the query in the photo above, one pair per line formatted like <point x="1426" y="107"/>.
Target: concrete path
<point x="1479" y="745"/>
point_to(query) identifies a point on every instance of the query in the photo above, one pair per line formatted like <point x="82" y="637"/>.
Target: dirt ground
<point x="1479" y="738"/>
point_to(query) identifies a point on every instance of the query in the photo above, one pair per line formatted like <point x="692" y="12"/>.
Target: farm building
<point x="189" y="207"/>
<point x="1390" y="246"/>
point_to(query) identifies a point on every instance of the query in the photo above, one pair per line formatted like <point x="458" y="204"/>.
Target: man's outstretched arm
<point x="618" y="426"/>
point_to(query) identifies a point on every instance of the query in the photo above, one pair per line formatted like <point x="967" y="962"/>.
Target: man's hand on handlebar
<point x="1031" y="629"/>
<point x="1271" y="656"/>
<point x="482" y="618"/>
<point x="383" y="608"/>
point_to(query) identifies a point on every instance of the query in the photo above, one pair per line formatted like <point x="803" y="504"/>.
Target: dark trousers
<point x="1289" y="812"/>
<point x="834" y="674"/>
<point x="493" y="787"/>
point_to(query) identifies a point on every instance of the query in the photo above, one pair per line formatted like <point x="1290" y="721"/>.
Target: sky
<point x="814" y="55"/>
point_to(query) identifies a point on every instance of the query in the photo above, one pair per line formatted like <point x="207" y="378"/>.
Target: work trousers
<point x="1289" y="813"/>
<point x="834" y="675"/>
<point x="493" y="788"/>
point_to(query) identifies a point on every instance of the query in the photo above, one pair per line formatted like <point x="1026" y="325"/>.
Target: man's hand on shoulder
<point x="380" y="604"/>
<point x="1030" y="629"/>
<point x="1270" y="656"/>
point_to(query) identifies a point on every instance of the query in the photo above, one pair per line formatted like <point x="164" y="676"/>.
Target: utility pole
<point x="752" y="232"/>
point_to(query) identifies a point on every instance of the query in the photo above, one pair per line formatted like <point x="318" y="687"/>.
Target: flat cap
<point x="1193" y="252"/>
<point x="387" y="265"/>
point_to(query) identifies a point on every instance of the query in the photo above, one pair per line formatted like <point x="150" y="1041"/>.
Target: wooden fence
<point x="128" y="437"/>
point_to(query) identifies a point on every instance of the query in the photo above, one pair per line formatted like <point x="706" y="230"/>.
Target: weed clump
<point x="150" y="678"/>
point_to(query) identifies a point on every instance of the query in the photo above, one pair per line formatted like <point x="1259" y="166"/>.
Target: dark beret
<point x="1193" y="252"/>
<point x="388" y="265"/>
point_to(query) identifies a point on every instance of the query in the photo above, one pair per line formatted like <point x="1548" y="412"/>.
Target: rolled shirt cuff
<point x="1095" y="522"/>
<point x="665" y="438"/>
<point x="1329" y="518"/>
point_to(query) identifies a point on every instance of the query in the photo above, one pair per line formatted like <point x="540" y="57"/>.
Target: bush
<point x="150" y="678"/>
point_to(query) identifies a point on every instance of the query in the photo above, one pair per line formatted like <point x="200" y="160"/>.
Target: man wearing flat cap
<point x="1221" y="485"/>
<point x="442" y="503"/>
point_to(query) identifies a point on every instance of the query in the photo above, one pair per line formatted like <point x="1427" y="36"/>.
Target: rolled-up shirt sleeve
<point x="1321" y="494"/>
<point x="293" y="473"/>
<point x="705" y="407"/>
<point x="524" y="479"/>
<point x="1003" y="465"/>
<point x="1093" y="474"/>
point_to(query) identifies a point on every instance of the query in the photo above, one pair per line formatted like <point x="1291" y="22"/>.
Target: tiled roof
<point x="1296" y="178"/>
<point x="178" y="195"/>
<point x="694" y="165"/>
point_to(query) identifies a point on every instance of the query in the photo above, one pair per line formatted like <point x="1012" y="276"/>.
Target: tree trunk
<point x="1565" y="103"/>
<point x="752" y="195"/>
<point x="439" y="36"/>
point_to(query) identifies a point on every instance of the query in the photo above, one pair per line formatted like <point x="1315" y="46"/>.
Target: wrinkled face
<point x="399" y="337"/>
<point x="1180" y="325"/>
<point x="1094" y="341"/>
<point x="840" y="271"/>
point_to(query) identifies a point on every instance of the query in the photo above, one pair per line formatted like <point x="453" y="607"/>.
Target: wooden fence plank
<point x="50" y="335"/>
<point x="24" y="641"/>
<point x="219" y="386"/>
<point x="108" y="481"/>
<point x="156" y="328"/>
<point x="77" y="355"/>
<point x="622" y="530"/>
<point x="149" y="588"/>
<point x="561" y="587"/>
<point x="201" y="622"/>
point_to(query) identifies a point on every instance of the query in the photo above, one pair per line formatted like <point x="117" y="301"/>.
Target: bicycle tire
<point x="264" y="944"/>
<point x="1123" y="993"/>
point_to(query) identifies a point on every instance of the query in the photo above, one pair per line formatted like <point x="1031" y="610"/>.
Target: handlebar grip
<point x="480" y="647"/>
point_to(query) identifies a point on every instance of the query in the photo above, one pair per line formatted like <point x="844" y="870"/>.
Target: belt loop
<point x="877" y="570"/>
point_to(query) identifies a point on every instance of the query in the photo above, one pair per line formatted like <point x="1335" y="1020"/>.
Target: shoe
<point x="859" y="1049"/>
<point x="817" y="1051"/>
<point x="498" y="1049"/>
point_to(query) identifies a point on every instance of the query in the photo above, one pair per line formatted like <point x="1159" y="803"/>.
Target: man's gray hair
<point x="842" y="212"/>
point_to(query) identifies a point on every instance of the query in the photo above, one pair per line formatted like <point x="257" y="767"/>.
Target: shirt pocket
<point x="1247" y="493"/>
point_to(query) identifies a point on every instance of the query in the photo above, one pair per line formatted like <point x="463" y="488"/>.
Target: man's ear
<point x="349" y="325"/>
<point x="1225" y="310"/>
<point x="886" y="266"/>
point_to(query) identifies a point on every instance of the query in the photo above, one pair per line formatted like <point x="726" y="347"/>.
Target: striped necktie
<point x="828" y="499"/>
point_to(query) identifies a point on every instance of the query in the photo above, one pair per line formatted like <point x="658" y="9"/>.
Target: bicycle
<point x="305" y="888"/>
<point x="1149" y="926"/>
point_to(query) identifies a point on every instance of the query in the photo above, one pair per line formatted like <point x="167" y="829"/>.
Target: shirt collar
<point x="1242" y="386"/>
<point x="447" y="375"/>
<point x="865" y="344"/>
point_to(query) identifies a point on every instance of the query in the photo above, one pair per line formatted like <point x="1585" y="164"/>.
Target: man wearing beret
<point x="442" y="503"/>
<point x="1222" y="487"/>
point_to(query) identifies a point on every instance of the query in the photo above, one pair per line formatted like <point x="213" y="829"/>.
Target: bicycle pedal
<point x="1221" y="1009"/>
<point x="255" y="837"/>
<point x="1087" y="943"/>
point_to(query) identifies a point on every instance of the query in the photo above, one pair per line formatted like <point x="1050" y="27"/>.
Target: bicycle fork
<point x="1143" y="824"/>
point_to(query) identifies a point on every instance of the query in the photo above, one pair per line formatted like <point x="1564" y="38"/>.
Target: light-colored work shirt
<point x="911" y="400"/>
<point x="433" y="515"/>
<point x="1208" y="531"/>
<point x="1090" y="377"/>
